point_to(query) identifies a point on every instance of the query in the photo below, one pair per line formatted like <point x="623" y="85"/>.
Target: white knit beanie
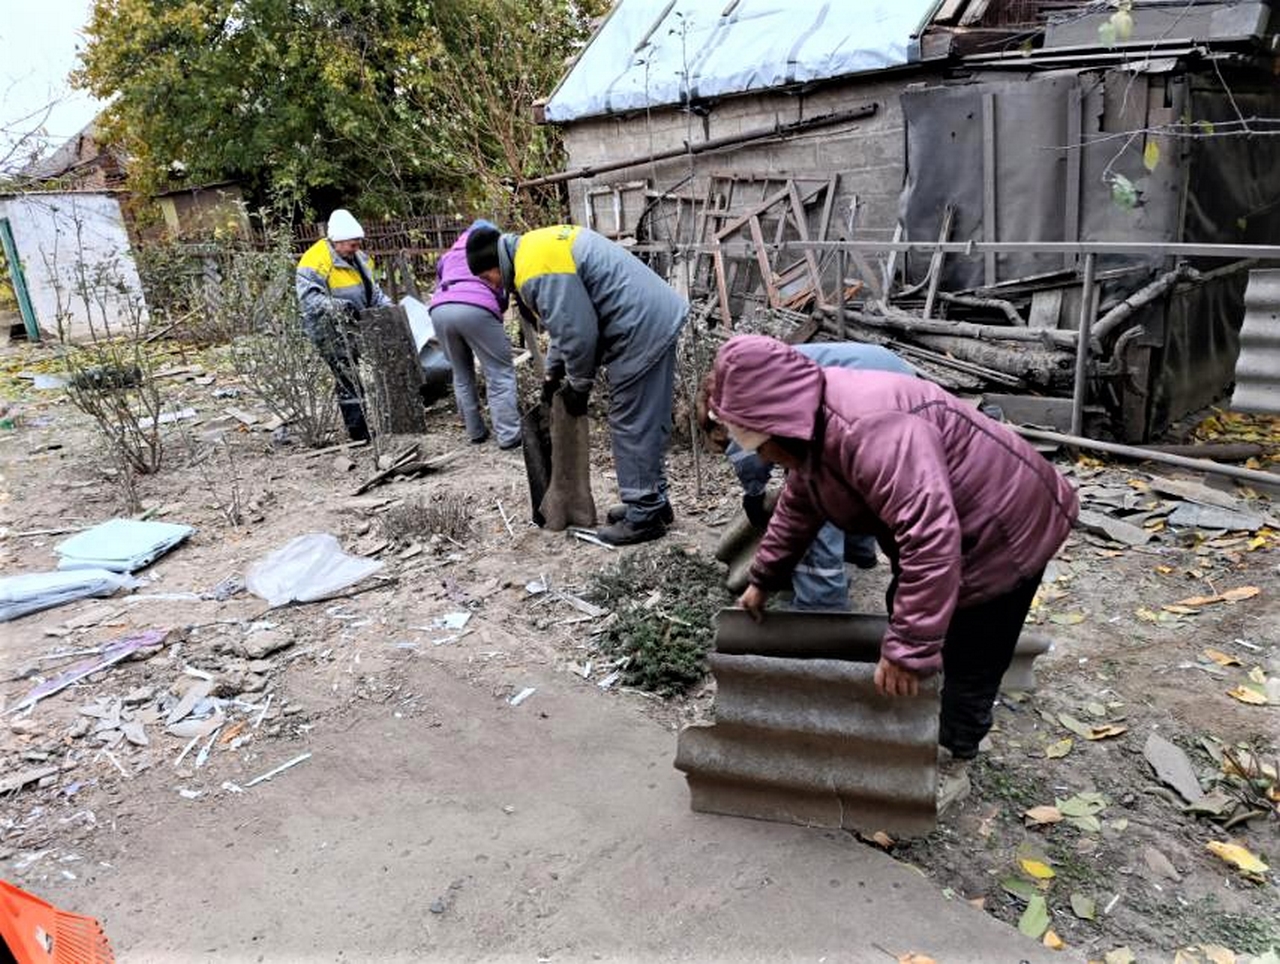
<point x="343" y="227"/>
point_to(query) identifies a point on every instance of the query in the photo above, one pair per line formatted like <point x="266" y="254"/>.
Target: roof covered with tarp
<point x="654" y="53"/>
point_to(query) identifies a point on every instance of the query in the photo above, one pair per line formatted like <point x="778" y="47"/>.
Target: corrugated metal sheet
<point x="805" y="738"/>
<point x="1258" y="367"/>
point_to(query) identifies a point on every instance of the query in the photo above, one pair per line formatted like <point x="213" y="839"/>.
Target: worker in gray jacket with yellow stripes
<point x="335" y="282"/>
<point x="602" y="307"/>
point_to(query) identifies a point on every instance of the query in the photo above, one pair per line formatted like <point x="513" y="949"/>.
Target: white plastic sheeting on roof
<point x="641" y="55"/>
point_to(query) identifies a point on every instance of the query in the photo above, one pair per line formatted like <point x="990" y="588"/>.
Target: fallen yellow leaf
<point x="915" y="959"/>
<point x="1108" y="729"/>
<point x="1199" y="601"/>
<point x="1060" y="749"/>
<point x="1246" y="695"/>
<point x="1053" y="941"/>
<point x="1240" y="593"/>
<point x="882" y="839"/>
<point x="1036" y="868"/>
<point x="1180" y="610"/>
<point x="1042" y="815"/>
<point x="1238" y="856"/>
<point x="1221" y="658"/>
<point x="1258" y="676"/>
<point x="1164" y="570"/>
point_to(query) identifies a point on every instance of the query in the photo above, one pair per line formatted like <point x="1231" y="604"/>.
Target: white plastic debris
<point x="308" y="568"/>
<point x="523" y="695"/>
<point x="120" y="545"/>
<point x="278" y="770"/>
<point x="452" y="621"/>
<point x="33" y="591"/>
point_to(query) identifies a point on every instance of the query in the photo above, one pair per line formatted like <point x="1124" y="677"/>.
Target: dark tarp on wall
<point x="1209" y="190"/>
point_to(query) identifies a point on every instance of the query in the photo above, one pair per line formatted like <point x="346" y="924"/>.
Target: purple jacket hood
<point x="767" y="386"/>
<point x="963" y="506"/>
<point x="456" y="285"/>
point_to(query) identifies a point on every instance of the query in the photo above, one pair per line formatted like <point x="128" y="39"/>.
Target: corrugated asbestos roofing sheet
<point x="650" y="53"/>
<point x="1258" y="367"/>
<point x="801" y="735"/>
<point x="806" y="738"/>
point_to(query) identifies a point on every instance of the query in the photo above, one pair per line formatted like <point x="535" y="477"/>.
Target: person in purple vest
<point x="467" y="315"/>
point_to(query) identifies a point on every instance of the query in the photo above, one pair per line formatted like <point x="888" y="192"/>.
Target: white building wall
<point x="71" y="246"/>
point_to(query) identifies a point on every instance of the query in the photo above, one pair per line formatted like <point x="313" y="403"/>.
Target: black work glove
<point x="552" y="380"/>
<point x="575" y="402"/>
<point x="753" y="506"/>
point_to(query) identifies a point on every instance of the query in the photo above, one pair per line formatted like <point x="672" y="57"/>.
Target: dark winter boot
<point x="625" y="533"/>
<point x="618" y="512"/>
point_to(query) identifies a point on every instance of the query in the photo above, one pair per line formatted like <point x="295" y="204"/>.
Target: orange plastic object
<point x="36" y="932"/>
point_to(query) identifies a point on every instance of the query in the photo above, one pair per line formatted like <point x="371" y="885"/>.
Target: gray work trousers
<point x="468" y="332"/>
<point x="640" y="424"/>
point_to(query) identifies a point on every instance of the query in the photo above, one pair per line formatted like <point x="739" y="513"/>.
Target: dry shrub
<point x="445" y="514"/>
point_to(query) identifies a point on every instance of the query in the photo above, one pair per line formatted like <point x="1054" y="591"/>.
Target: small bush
<point x="666" y="601"/>
<point x="444" y="514"/>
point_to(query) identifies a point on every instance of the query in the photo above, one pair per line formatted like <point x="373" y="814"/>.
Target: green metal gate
<point x="18" y="280"/>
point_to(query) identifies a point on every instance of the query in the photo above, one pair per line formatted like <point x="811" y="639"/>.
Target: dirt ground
<point x="350" y="672"/>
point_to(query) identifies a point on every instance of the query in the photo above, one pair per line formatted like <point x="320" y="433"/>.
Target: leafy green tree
<point x="315" y="103"/>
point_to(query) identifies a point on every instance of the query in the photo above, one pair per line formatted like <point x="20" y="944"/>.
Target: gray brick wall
<point x="868" y="154"/>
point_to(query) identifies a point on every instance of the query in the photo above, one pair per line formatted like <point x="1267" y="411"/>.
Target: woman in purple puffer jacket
<point x="968" y="513"/>
<point x="467" y="315"/>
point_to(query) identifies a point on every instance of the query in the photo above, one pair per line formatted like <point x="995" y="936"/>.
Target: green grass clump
<point x="666" y="601"/>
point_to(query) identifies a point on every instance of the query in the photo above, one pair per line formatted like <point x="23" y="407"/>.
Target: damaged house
<point x="707" y="133"/>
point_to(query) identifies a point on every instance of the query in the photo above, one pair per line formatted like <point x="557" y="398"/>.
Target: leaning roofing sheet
<point x="643" y="53"/>
<point x="1258" y="367"/>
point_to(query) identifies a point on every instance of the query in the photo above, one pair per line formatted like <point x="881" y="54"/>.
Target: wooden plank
<point x="1046" y="308"/>
<point x="891" y="265"/>
<point x="802" y="228"/>
<point x="936" y="261"/>
<point x="722" y="289"/>
<point x="989" y="231"/>
<point x="742" y="220"/>
<point x="828" y="203"/>
<point x="762" y="258"/>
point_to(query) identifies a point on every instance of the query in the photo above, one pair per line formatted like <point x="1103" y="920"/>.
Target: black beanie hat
<point x="482" y="249"/>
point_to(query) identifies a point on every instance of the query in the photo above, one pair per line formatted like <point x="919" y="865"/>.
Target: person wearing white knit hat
<point x="335" y="282"/>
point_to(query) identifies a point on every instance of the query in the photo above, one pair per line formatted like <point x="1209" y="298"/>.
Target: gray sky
<point x="37" y="51"/>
